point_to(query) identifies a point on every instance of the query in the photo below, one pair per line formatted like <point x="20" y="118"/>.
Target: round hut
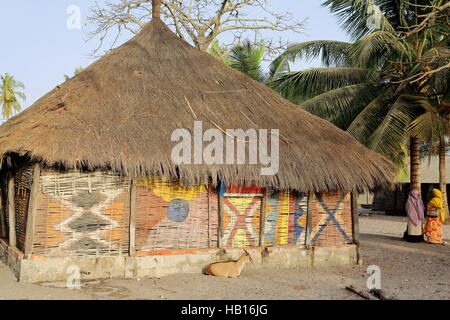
<point x="88" y="176"/>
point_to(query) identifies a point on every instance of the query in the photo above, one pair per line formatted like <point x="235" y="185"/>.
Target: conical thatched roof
<point x="121" y="111"/>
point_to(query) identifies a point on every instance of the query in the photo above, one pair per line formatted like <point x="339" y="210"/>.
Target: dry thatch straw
<point x="120" y="113"/>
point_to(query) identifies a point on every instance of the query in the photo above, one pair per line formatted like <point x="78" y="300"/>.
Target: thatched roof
<point x="121" y="111"/>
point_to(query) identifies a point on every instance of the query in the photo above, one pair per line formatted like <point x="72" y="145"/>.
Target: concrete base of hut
<point x="159" y="264"/>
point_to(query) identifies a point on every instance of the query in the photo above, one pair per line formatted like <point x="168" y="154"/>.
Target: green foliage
<point x="384" y="86"/>
<point x="302" y="85"/>
<point x="219" y="52"/>
<point x="331" y="53"/>
<point x="353" y="15"/>
<point x="77" y="71"/>
<point x="9" y="96"/>
<point x="247" y="58"/>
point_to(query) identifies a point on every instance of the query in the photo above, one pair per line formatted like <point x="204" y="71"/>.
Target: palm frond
<point x="247" y="58"/>
<point x="433" y="124"/>
<point x="332" y="53"/>
<point x="278" y="68"/>
<point x="370" y="118"/>
<point x="377" y="48"/>
<point x="340" y="106"/>
<point x="301" y="85"/>
<point x="21" y="95"/>
<point x="355" y="15"/>
<point x="391" y="131"/>
<point x="400" y="161"/>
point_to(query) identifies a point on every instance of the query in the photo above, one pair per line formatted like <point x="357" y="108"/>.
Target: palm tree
<point x="248" y="58"/>
<point x="9" y="96"/>
<point x="433" y="127"/>
<point x="375" y="87"/>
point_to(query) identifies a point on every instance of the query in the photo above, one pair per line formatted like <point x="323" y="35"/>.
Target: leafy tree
<point x="375" y="87"/>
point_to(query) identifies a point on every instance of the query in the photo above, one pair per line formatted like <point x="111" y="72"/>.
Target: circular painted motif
<point x="178" y="210"/>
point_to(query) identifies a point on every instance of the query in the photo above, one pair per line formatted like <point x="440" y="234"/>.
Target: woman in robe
<point x="434" y="219"/>
<point x="415" y="211"/>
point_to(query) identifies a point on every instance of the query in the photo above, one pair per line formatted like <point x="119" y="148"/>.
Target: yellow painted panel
<point x="168" y="190"/>
<point x="282" y="233"/>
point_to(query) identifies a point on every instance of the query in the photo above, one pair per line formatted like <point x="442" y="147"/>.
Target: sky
<point x="38" y="48"/>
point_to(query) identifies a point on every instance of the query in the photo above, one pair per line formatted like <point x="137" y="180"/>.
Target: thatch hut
<point x="88" y="178"/>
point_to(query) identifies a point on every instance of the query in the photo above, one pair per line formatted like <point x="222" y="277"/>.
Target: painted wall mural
<point x="286" y="219"/>
<point x="82" y="214"/>
<point x="241" y="221"/>
<point x="332" y="219"/>
<point x="169" y="216"/>
<point x="88" y="214"/>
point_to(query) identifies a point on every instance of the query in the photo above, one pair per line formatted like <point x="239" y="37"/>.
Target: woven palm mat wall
<point x="82" y="214"/>
<point x="332" y="219"/>
<point x="169" y="216"/>
<point x="241" y="221"/>
<point x="4" y="206"/>
<point x="286" y="219"/>
<point x="23" y="179"/>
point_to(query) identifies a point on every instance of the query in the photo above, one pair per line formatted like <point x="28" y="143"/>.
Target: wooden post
<point x="262" y="221"/>
<point x="33" y="204"/>
<point x="394" y="210"/>
<point x="2" y="213"/>
<point x="209" y="216"/>
<point x="355" y="223"/>
<point x="132" y="231"/>
<point x="221" y="212"/>
<point x="309" y="219"/>
<point x="11" y="211"/>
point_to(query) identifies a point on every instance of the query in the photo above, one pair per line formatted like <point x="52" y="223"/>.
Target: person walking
<point x="415" y="210"/>
<point x="434" y="219"/>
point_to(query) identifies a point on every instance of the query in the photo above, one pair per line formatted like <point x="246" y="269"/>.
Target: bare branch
<point x="197" y="21"/>
<point x="428" y="73"/>
<point x="422" y="75"/>
<point x="436" y="12"/>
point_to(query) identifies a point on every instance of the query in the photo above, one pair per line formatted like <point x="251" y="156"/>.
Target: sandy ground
<point x="408" y="271"/>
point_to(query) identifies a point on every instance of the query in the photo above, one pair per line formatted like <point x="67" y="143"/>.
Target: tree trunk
<point x="203" y="44"/>
<point x="414" y="174"/>
<point x="442" y="182"/>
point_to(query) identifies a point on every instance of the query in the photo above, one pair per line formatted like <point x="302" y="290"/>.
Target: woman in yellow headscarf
<point x="435" y="217"/>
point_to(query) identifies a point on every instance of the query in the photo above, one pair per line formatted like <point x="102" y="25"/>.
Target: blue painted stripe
<point x="331" y="216"/>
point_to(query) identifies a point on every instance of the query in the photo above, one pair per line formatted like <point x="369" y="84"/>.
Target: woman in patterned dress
<point x="435" y="217"/>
